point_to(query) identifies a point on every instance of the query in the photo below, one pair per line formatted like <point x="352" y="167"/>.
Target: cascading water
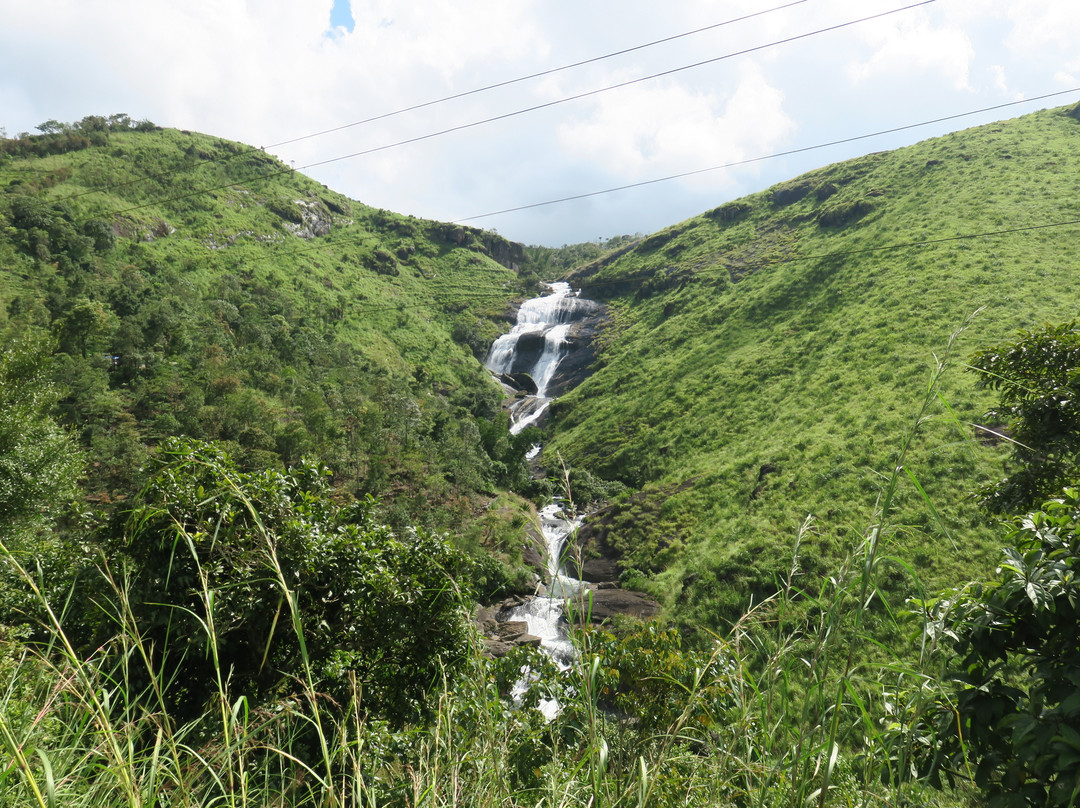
<point x="536" y="346"/>
<point x="544" y="613"/>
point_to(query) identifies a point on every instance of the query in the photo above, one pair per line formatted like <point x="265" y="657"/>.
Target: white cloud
<point x="263" y="71"/>
<point x="650" y="130"/>
<point x="902" y="47"/>
<point x="1038" y="24"/>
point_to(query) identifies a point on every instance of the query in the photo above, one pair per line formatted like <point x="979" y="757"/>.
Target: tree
<point x="83" y="325"/>
<point x="265" y="579"/>
<point x="1015" y="641"/>
<point x="1038" y="378"/>
<point x="39" y="463"/>
<point x="1016" y="664"/>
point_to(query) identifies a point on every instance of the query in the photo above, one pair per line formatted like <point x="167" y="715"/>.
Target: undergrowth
<point x="797" y="705"/>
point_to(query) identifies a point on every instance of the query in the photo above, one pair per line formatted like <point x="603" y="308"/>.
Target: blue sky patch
<point x="341" y="17"/>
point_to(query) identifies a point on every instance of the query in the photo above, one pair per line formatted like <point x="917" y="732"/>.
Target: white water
<point x="552" y="316"/>
<point x="544" y="612"/>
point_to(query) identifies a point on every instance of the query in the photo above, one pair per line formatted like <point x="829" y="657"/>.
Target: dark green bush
<point x="265" y="579"/>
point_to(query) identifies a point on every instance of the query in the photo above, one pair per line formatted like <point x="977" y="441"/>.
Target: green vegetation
<point x="1016" y="661"/>
<point x="763" y="356"/>
<point x="39" y="463"/>
<point x="197" y="287"/>
<point x="1037" y="380"/>
<point x="296" y="480"/>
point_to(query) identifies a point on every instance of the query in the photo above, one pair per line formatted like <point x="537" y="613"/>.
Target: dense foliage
<point x="39" y="462"/>
<point x="194" y="287"/>
<point x="763" y="356"/>
<point x="1038" y="380"/>
<point x="222" y="567"/>
<point x="1016" y="642"/>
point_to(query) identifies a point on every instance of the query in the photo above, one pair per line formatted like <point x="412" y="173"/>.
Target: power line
<point x="618" y="86"/>
<point x="750" y="160"/>
<point x="802" y="149"/>
<point x="444" y="99"/>
<point x="546" y="105"/>
<point x="541" y="74"/>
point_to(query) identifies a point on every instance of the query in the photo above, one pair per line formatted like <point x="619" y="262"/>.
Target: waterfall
<point x="536" y="345"/>
<point x="544" y="612"/>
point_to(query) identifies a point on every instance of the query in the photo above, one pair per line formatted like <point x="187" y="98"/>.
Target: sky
<point x="266" y="72"/>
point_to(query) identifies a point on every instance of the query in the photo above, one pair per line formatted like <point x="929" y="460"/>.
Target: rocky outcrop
<point x="521" y="382"/>
<point x="510" y="254"/>
<point x="600" y="605"/>
<point x="500" y="634"/>
<point x="596" y="604"/>
<point x="576" y="364"/>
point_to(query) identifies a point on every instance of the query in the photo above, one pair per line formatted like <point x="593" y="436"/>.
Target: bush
<point x="1016" y="665"/>
<point x="262" y="578"/>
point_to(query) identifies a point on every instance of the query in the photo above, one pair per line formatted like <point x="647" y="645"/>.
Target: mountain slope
<point x="198" y="287"/>
<point x="767" y="358"/>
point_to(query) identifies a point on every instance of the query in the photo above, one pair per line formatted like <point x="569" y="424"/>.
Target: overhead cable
<point x="761" y="158"/>
<point x="750" y="160"/>
<point x="504" y="116"/>
<point x="444" y="99"/>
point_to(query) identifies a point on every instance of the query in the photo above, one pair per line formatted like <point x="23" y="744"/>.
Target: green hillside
<point x="197" y="287"/>
<point x="768" y="356"/>
<point x="254" y="479"/>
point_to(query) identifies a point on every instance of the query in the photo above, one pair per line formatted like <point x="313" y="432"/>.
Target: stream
<point x="536" y="345"/>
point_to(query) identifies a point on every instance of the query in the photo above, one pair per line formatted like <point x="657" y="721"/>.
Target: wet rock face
<point x="580" y="354"/>
<point x="527" y="352"/>
<point x="501" y="635"/>
<point x="606" y="603"/>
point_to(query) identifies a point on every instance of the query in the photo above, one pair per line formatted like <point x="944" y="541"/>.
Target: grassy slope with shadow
<point x="773" y="349"/>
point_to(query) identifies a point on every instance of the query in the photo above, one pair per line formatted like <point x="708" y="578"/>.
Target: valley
<point x="268" y="451"/>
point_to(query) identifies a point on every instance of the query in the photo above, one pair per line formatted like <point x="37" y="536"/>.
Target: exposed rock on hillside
<point x="580" y="353"/>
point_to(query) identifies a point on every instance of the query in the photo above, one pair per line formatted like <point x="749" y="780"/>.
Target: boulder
<point x="511" y="629"/>
<point x="606" y="603"/>
<point x="531" y="556"/>
<point x="598" y="570"/>
<point x="497" y="648"/>
<point x="528" y="640"/>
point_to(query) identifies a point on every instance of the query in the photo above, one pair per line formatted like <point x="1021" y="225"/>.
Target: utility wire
<point x="542" y="73"/>
<point x="802" y="149"/>
<point x="762" y="158"/>
<point x="504" y="116"/>
<point x="620" y="85"/>
<point x="443" y="100"/>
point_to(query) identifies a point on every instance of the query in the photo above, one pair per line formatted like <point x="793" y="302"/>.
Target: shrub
<point x="263" y="578"/>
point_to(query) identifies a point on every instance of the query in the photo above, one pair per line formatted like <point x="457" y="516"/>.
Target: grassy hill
<point x="197" y="287"/>
<point x="766" y="359"/>
<point x="254" y="634"/>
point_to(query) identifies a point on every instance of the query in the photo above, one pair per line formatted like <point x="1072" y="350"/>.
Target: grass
<point x="759" y="379"/>
<point x="786" y="709"/>
<point x="760" y="363"/>
<point x="213" y="314"/>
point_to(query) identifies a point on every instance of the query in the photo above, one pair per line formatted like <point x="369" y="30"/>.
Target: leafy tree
<point x="83" y="325"/>
<point x="646" y="673"/>
<point x="1038" y="378"/>
<point x="39" y="464"/>
<point x="1016" y="716"/>
<point x="263" y="577"/>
